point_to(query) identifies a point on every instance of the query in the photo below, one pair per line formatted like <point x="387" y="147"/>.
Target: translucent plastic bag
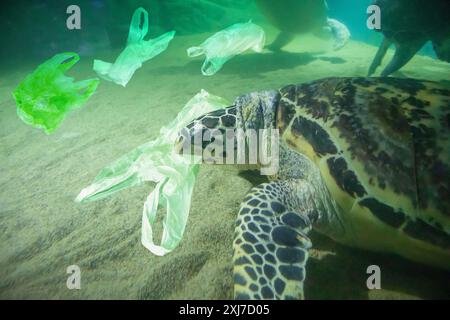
<point x="45" y="96"/>
<point x="155" y="161"/>
<point x="227" y="43"/>
<point x="136" y="52"/>
<point x="340" y="33"/>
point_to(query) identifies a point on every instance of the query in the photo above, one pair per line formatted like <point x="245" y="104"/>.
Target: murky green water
<point x="43" y="231"/>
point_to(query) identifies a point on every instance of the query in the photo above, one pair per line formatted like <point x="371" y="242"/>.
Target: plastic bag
<point x="45" y="96"/>
<point x="155" y="161"/>
<point x="340" y="32"/>
<point x="227" y="43"/>
<point x="135" y="53"/>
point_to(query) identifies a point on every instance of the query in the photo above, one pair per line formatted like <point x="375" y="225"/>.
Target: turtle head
<point x="199" y="133"/>
<point x="218" y="129"/>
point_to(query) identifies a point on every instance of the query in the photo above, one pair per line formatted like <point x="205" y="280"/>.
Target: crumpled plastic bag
<point x="341" y="34"/>
<point x="135" y="53"/>
<point x="155" y="161"/>
<point x="45" y="96"/>
<point x="227" y="43"/>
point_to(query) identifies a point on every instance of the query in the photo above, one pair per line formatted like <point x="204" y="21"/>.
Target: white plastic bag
<point x="155" y="161"/>
<point x="227" y="43"/>
<point x="136" y="52"/>
<point x="340" y="32"/>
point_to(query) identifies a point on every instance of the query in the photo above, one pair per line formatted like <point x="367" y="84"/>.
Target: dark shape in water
<point x="409" y="24"/>
<point x="293" y="17"/>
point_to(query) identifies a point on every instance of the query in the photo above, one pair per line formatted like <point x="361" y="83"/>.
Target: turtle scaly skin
<point x="363" y="160"/>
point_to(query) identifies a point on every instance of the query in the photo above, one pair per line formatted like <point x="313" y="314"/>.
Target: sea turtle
<point x="293" y="17"/>
<point x="364" y="161"/>
<point x="409" y="24"/>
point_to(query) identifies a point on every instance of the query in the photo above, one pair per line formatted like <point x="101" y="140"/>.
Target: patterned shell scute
<point x="384" y="141"/>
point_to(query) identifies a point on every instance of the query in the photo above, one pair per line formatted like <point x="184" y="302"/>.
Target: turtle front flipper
<point x="340" y="32"/>
<point x="271" y="243"/>
<point x="281" y="41"/>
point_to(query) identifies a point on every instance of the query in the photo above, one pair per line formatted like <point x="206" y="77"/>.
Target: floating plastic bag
<point x="155" y="161"/>
<point x="135" y="53"/>
<point x="227" y="43"/>
<point x="45" y="96"/>
<point x="340" y="33"/>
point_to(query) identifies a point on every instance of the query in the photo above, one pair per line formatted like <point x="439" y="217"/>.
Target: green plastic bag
<point x="135" y="53"/>
<point x="227" y="43"/>
<point x="45" y="96"/>
<point x="155" y="161"/>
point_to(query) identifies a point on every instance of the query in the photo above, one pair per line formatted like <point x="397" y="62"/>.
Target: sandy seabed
<point x="43" y="231"/>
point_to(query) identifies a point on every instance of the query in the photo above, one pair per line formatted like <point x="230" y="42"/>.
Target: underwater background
<point x="42" y="229"/>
